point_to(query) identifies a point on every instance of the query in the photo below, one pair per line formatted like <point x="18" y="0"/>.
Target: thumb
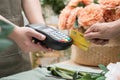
<point x="37" y="35"/>
<point x="92" y="28"/>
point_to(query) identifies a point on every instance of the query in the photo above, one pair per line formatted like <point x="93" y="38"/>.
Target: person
<point x="24" y="40"/>
<point x="12" y="60"/>
<point x="101" y="33"/>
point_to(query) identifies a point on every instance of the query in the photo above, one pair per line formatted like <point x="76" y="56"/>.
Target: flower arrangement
<point x="89" y="12"/>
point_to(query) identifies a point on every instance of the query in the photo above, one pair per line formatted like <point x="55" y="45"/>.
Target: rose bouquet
<point x="89" y="12"/>
<point x="86" y="13"/>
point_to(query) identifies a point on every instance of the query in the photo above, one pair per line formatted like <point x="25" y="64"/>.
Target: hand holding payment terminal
<point x="54" y="38"/>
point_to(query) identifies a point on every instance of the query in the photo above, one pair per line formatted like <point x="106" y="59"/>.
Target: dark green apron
<point x="12" y="60"/>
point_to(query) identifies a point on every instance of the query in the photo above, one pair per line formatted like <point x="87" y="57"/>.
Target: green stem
<point x="66" y="70"/>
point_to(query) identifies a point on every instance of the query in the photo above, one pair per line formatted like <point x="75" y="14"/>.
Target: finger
<point x="91" y="29"/>
<point x="45" y="47"/>
<point x="38" y="47"/>
<point x="88" y="31"/>
<point x="92" y="35"/>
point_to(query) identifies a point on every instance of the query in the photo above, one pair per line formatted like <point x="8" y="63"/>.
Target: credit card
<point x="79" y="39"/>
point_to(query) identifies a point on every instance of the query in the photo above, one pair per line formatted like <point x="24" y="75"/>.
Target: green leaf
<point x="96" y="1"/>
<point x="81" y="4"/>
<point x="103" y="68"/>
<point x="57" y="5"/>
<point x="86" y="77"/>
<point x="4" y="44"/>
<point x="101" y="78"/>
<point x="6" y="29"/>
<point x="74" y="75"/>
<point x="96" y="75"/>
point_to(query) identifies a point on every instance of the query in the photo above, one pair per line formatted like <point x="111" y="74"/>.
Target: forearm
<point x="117" y="24"/>
<point x="11" y="35"/>
<point x="33" y="12"/>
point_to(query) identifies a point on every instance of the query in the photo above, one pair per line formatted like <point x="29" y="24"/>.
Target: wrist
<point x="116" y="27"/>
<point x="13" y="35"/>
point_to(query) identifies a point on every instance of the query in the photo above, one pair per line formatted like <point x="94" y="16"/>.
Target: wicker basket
<point x="97" y="54"/>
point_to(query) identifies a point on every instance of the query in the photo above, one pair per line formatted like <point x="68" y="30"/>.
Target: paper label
<point x="79" y="40"/>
